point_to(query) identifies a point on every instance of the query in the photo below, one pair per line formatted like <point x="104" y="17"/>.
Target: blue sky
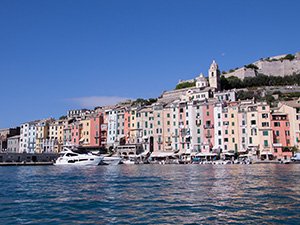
<point x="58" y="55"/>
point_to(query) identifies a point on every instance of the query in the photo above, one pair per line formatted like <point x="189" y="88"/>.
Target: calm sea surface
<point x="151" y="194"/>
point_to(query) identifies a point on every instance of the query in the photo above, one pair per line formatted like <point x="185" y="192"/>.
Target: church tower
<point x="214" y="76"/>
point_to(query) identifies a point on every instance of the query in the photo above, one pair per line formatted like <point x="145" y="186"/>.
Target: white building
<point x="112" y="121"/>
<point x="28" y="137"/>
<point x="218" y="127"/>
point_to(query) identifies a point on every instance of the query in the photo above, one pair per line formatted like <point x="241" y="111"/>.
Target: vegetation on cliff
<point x="185" y="85"/>
<point x="259" y="81"/>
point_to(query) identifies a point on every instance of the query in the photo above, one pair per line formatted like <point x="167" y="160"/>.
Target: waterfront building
<point x="111" y="119"/>
<point x="292" y="108"/>
<point x="208" y="126"/>
<point x="28" y="137"/>
<point x="120" y="137"/>
<point x="56" y="135"/>
<point x="233" y="128"/>
<point x="75" y="133"/>
<point x="6" y="133"/>
<point x="134" y="131"/>
<point x="167" y="127"/>
<point x="67" y="132"/>
<point x="218" y="123"/>
<point x="145" y="124"/>
<point x="252" y="128"/>
<point x="42" y="141"/>
<point x="13" y="144"/>
<point x="96" y="120"/>
<point x="281" y="135"/>
<point x="264" y="128"/>
<point x="158" y="126"/>
<point x="84" y="132"/>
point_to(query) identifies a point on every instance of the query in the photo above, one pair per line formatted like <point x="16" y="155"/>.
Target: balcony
<point x="208" y="135"/>
<point x="208" y="126"/>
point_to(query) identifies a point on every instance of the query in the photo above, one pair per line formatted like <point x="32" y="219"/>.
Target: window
<point x="253" y="122"/>
<point x="265" y="133"/>
<point x="232" y="131"/>
<point x="265" y="124"/>
<point x="266" y="144"/>
<point x="232" y="115"/>
<point x="264" y="115"/>
<point x="250" y="140"/>
<point x="276" y="124"/>
<point x="198" y="131"/>
<point x="199" y="140"/>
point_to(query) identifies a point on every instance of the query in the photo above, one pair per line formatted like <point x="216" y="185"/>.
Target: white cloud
<point x="93" y="101"/>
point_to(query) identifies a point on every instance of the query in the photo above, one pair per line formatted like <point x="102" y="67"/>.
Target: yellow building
<point x="85" y="132"/>
<point x="42" y="136"/>
<point x="56" y="134"/>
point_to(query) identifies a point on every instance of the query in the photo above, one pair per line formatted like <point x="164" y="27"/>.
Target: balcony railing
<point x="206" y="126"/>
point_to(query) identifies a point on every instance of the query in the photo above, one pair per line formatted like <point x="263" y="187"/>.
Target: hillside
<point x="281" y="66"/>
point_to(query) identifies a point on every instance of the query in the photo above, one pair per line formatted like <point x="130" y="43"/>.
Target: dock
<point x="26" y="163"/>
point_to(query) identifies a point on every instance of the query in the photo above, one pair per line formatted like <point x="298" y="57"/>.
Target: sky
<point x="59" y="55"/>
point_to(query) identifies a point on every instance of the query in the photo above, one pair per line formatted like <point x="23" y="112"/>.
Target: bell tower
<point x="214" y="76"/>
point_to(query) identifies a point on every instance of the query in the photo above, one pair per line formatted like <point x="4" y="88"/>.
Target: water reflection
<point x="170" y="194"/>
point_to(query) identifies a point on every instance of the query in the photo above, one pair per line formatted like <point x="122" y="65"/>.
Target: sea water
<point x="150" y="194"/>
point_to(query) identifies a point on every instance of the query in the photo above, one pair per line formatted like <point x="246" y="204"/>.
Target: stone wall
<point x="270" y="68"/>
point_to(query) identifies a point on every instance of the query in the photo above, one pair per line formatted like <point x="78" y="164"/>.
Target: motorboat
<point x="111" y="160"/>
<point x="72" y="157"/>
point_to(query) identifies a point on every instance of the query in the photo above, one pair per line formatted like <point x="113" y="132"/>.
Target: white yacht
<point x="70" y="157"/>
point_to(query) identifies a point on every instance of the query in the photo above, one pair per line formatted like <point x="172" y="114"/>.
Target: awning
<point x="159" y="154"/>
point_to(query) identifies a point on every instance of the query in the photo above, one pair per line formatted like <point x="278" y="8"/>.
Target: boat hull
<point x="87" y="161"/>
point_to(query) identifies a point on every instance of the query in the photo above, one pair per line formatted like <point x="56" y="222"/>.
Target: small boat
<point x="72" y="157"/>
<point x="111" y="160"/>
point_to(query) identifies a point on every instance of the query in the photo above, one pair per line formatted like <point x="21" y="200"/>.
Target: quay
<point x="26" y="163"/>
<point x="27" y="159"/>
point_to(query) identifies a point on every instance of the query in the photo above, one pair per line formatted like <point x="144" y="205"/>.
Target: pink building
<point x="127" y="125"/>
<point x="95" y="129"/>
<point x="281" y="135"/>
<point x="75" y="133"/>
<point x="208" y="126"/>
